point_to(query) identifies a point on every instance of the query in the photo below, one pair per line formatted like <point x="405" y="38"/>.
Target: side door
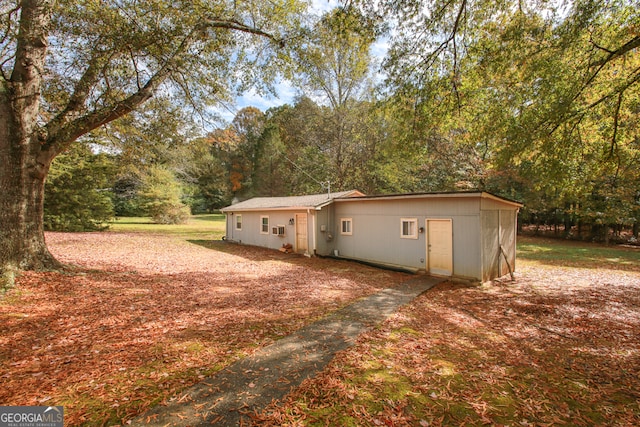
<point x="439" y="247"/>
<point x="302" y="245"/>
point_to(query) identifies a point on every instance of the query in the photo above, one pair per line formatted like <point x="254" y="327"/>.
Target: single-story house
<point x="469" y="235"/>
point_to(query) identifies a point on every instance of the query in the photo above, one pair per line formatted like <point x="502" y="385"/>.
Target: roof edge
<point x="310" y="206"/>
<point x="470" y="193"/>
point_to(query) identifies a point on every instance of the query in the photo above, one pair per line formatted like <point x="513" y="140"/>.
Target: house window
<point x="346" y="226"/>
<point x="277" y="230"/>
<point x="238" y="222"/>
<point x="409" y="228"/>
<point x="264" y="225"/>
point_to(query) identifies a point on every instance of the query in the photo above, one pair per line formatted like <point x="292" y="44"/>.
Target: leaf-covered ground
<point x="142" y="316"/>
<point x="560" y="346"/>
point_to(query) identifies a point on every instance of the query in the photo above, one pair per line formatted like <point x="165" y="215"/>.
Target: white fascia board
<point x="450" y="195"/>
<point x="283" y="208"/>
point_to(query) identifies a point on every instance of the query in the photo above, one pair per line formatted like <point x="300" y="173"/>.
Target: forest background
<point x="535" y="101"/>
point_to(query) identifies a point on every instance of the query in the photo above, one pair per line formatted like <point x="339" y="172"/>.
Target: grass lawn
<point x="210" y="226"/>
<point x="577" y="254"/>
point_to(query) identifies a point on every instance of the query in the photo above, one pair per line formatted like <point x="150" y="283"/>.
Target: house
<point x="469" y="235"/>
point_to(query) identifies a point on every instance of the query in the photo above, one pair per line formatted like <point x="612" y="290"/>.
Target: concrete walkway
<point x="272" y="372"/>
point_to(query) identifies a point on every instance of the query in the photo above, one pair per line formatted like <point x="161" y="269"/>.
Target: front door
<point x="301" y="233"/>
<point x="439" y="247"/>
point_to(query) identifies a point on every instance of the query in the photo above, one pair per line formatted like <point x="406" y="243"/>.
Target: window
<point x="278" y="230"/>
<point x="409" y="228"/>
<point x="346" y="226"/>
<point x="264" y="225"/>
<point x="238" y="222"/>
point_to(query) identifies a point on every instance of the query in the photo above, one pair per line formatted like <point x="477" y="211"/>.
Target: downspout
<point x="313" y="233"/>
<point x="500" y="242"/>
<point x="330" y="215"/>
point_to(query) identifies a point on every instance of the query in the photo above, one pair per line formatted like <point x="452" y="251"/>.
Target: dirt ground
<point x="143" y="316"/>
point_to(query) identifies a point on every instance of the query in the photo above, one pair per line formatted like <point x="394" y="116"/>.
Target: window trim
<point x="344" y="221"/>
<point x="238" y="222"/>
<point x="264" y="228"/>
<point x="414" y="234"/>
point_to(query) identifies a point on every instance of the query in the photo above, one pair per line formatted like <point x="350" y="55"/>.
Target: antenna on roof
<point x="323" y="184"/>
<point x="327" y="185"/>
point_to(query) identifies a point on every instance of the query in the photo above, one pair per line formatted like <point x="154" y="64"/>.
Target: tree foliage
<point x="535" y="100"/>
<point x="161" y="196"/>
<point x="77" y="192"/>
<point x="70" y="67"/>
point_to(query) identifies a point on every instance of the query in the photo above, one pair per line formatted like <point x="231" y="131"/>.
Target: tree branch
<point x="8" y="26"/>
<point x="81" y="92"/>
<point x="627" y="47"/>
<point x="635" y="78"/>
<point x="613" y="54"/>
<point x="59" y="138"/>
<point x="616" y="118"/>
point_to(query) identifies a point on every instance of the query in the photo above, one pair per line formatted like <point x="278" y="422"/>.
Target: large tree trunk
<point x="22" y="245"/>
<point x="24" y="160"/>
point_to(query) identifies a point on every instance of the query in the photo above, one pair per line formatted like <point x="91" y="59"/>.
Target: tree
<point x="77" y="191"/>
<point x="247" y="126"/>
<point x="160" y="132"/>
<point x="208" y="176"/>
<point x="68" y="67"/>
<point x="334" y="63"/>
<point x="537" y="99"/>
<point x="161" y="196"/>
<point x="303" y="131"/>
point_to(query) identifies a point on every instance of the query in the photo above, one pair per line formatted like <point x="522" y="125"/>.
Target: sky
<point x="285" y="93"/>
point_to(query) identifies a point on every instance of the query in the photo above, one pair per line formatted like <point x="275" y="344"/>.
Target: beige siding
<point x="490" y="245"/>
<point x="480" y="224"/>
<point x="324" y="231"/>
<point x="467" y="253"/>
<point x="376" y="232"/>
<point x="498" y="229"/>
<point x="251" y="226"/>
<point x="508" y="240"/>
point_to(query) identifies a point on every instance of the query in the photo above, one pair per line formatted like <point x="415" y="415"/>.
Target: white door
<point x="301" y="233"/>
<point x="439" y="247"/>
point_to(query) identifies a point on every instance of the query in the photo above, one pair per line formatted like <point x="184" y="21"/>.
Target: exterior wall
<point x="490" y="245"/>
<point x="479" y="226"/>
<point x="251" y="226"/>
<point x="377" y="229"/>
<point x="499" y="224"/>
<point x="325" y="230"/>
<point x="508" y="232"/>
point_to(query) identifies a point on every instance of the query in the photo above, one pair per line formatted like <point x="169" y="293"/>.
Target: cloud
<point x="284" y="94"/>
<point x="324" y="5"/>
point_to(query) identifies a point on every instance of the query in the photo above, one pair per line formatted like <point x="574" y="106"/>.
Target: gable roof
<point x="311" y="201"/>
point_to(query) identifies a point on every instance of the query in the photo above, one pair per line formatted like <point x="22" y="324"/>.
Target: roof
<point x="447" y="194"/>
<point x="311" y="201"/>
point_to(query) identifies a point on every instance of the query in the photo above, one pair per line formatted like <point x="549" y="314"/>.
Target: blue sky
<point x="285" y="92"/>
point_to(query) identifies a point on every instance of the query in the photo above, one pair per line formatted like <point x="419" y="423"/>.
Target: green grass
<point x="577" y="254"/>
<point x="209" y="226"/>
